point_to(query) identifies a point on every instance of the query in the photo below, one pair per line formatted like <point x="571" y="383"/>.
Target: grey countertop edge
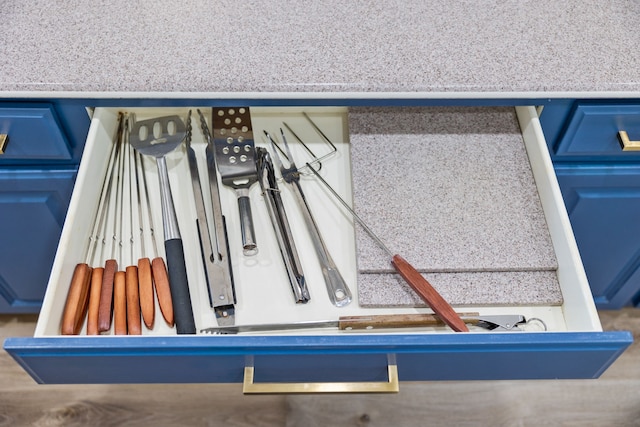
<point x="318" y="95"/>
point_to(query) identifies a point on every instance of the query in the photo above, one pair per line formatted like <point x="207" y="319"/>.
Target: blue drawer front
<point x="306" y="358"/>
<point x="33" y="205"/>
<point x="592" y="133"/>
<point x="34" y="133"/>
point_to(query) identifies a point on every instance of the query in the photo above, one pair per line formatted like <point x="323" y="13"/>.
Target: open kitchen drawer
<point x="573" y="346"/>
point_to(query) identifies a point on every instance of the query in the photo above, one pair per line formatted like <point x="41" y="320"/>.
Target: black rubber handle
<point x="179" y="285"/>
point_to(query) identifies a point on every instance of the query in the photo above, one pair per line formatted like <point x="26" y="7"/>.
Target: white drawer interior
<point x="262" y="287"/>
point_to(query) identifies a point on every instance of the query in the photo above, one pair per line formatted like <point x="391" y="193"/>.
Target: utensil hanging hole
<point x="340" y="294"/>
<point x="157" y="130"/>
<point x="143" y="133"/>
<point x="241" y="181"/>
<point x="171" y="127"/>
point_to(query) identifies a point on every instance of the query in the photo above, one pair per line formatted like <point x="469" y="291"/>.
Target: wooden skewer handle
<point x="119" y="304"/>
<point x="106" y="295"/>
<point x="134" y="324"/>
<point x="94" y="301"/>
<point x="161" y="280"/>
<point x="397" y="321"/>
<point x="75" y="307"/>
<point x="427" y="292"/>
<point x="145" y="283"/>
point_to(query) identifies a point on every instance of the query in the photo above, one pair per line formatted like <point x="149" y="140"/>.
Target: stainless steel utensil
<point x="278" y="215"/>
<point x="507" y="322"/>
<point x="220" y="287"/>
<point x="157" y="137"/>
<point x="339" y="292"/>
<point x="235" y="158"/>
<point x="410" y="275"/>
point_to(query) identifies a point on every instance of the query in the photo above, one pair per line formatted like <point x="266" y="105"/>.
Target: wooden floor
<point x="612" y="400"/>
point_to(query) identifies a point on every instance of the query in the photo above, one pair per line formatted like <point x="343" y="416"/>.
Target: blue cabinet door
<point x="604" y="206"/>
<point x="33" y="204"/>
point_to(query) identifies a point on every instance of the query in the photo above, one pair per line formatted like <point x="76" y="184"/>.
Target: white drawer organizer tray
<point x="574" y="345"/>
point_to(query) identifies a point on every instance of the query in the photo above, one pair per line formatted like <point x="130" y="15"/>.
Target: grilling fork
<point x="339" y="292"/>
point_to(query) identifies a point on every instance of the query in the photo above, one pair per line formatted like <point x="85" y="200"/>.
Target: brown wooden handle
<point x="94" y="300"/>
<point x="161" y="280"/>
<point x="119" y="304"/>
<point x="134" y="324"/>
<point x="106" y="295"/>
<point x="427" y="292"/>
<point x="75" y="307"/>
<point x="145" y="284"/>
<point x="381" y="321"/>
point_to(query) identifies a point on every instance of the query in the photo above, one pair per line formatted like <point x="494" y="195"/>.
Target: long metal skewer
<point x="419" y="284"/>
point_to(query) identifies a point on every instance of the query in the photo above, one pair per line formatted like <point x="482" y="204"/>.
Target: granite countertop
<point x="510" y="47"/>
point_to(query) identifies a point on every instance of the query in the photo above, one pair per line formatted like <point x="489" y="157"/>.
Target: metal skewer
<point x="407" y="271"/>
<point x="158" y="266"/>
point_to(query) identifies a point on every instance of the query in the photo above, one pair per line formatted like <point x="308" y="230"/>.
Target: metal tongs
<point x="275" y="207"/>
<point x="215" y="257"/>
<point x="495" y="323"/>
<point x="339" y="292"/>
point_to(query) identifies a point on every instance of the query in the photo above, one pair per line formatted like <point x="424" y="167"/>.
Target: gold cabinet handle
<point x="4" y="140"/>
<point x="626" y="143"/>
<point x="390" y="386"/>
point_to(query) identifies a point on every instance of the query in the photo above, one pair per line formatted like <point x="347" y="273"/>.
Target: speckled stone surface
<point x="451" y="190"/>
<point x="198" y="46"/>
<point x="464" y="289"/>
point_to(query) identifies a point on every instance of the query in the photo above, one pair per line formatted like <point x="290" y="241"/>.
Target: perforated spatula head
<point x="159" y="136"/>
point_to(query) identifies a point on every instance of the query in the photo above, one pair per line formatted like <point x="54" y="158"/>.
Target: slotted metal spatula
<point x="236" y="161"/>
<point x="157" y="137"/>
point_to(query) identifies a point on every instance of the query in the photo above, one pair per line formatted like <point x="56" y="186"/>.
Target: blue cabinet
<point x="37" y="173"/>
<point x="33" y="205"/>
<point x="574" y="346"/>
<point x="603" y="203"/>
<point x="600" y="184"/>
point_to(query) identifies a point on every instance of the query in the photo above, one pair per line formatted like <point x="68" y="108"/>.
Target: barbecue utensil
<point x="235" y="158"/>
<point x="105" y="305"/>
<point x="158" y="266"/>
<point x="145" y="275"/>
<point x="157" y="137"/>
<point x="339" y="292"/>
<point x="509" y="322"/>
<point x="84" y="291"/>
<point x="278" y="215"/>
<point x="219" y="223"/>
<point x="417" y="282"/>
<point x="134" y="323"/>
<point x="220" y="287"/>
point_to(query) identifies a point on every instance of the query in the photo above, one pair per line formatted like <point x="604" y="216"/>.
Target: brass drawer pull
<point x="4" y="140"/>
<point x="390" y="386"/>
<point x="626" y="143"/>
